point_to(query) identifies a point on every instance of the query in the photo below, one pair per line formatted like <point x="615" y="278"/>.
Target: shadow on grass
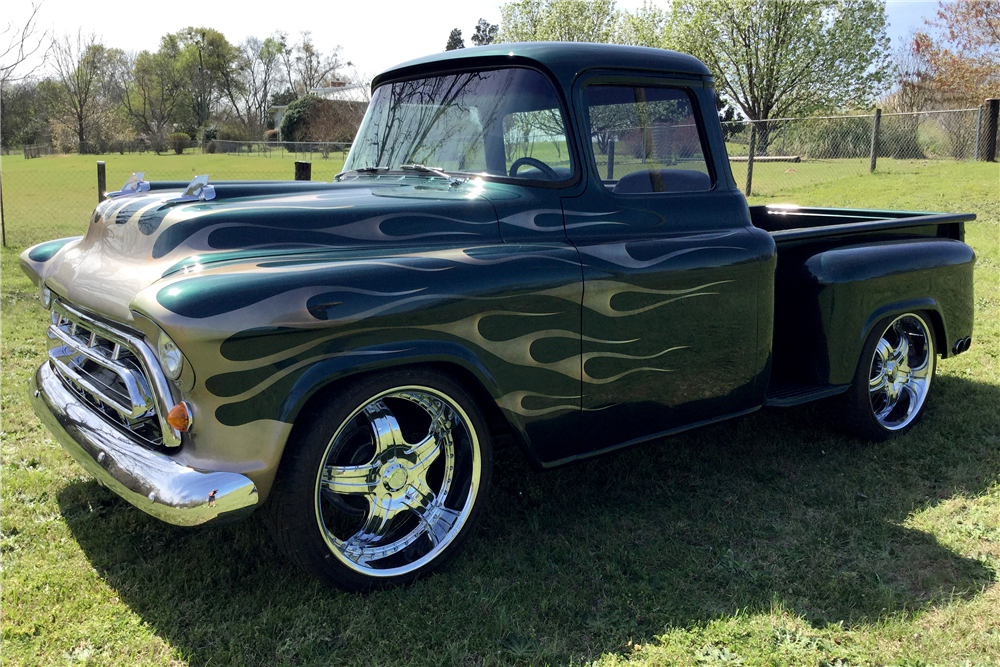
<point x="774" y="510"/>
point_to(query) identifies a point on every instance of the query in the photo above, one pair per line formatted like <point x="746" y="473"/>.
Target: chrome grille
<point x="113" y="371"/>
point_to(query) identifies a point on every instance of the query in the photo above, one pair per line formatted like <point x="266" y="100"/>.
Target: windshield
<point x="498" y="122"/>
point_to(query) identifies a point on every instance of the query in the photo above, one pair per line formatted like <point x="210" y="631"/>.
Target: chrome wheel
<point x="399" y="479"/>
<point x="900" y="373"/>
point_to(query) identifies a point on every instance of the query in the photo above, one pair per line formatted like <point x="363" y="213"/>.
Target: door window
<point x="646" y="139"/>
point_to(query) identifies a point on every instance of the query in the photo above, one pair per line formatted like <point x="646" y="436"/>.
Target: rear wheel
<point x="893" y="378"/>
<point x="386" y="483"/>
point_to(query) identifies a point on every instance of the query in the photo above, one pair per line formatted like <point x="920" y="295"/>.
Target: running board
<point x="782" y="394"/>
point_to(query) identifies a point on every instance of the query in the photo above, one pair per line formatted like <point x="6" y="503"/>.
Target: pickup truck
<point x="539" y="241"/>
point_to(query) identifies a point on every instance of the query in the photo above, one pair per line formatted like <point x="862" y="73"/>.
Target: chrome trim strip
<point x="147" y="357"/>
<point x="150" y="480"/>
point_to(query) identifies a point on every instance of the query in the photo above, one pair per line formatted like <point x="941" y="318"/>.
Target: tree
<point x="306" y="67"/>
<point x="86" y="82"/>
<point x="23" y="114"/>
<point x="648" y="26"/>
<point x="154" y="88"/>
<point x="248" y="85"/>
<point x="485" y="33"/>
<point x="781" y="58"/>
<point x="559" y="21"/>
<point x="455" y="40"/>
<point x="961" y="53"/>
<point x="22" y="44"/>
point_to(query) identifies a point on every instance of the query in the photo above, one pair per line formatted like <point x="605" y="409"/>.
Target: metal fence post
<point x="875" y="126"/>
<point x="783" y="124"/>
<point x="990" y="130"/>
<point x="3" y="220"/>
<point x="303" y="171"/>
<point x="611" y="159"/>
<point x="102" y="184"/>
<point x="753" y="149"/>
<point x="977" y="149"/>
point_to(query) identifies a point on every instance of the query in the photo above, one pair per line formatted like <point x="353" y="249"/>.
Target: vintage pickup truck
<point x="543" y="241"/>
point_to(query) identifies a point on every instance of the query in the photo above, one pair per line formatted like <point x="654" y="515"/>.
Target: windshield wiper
<point x="362" y="170"/>
<point x="431" y="170"/>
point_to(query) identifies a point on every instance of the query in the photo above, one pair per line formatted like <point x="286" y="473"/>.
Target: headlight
<point x="46" y="295"/>
<point x="170" y="356"/>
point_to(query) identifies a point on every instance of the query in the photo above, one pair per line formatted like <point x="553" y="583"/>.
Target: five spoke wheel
<point x="894" y="377"/>
<point x="400" y="470"/>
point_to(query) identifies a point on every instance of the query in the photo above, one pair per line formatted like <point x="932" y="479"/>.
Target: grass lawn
<point x="770" y="540"/>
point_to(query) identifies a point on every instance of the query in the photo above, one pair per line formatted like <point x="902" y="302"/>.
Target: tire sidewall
<point x="861" y="418"/>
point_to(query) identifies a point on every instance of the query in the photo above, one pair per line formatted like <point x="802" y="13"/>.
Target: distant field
<point x="51" y="197"/>
<point x="769" y="541"/>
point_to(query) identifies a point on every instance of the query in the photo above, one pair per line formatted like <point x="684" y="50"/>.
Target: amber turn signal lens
<point x="180" y="417"/>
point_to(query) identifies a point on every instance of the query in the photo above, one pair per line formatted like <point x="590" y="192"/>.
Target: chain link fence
<point x="51" y="196"/>
<point x="790" y="153"/>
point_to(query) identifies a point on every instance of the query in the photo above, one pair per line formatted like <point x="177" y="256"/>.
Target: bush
<point x="271" y="135"/>
<point x="179" y="141"/>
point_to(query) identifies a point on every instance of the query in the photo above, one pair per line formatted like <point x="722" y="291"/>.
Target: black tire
<point x="385" y="482"/>
<point x="891" y="384"/>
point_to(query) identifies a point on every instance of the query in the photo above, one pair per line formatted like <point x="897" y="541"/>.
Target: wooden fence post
<point x="989" y="135"/>
<point x="3" y="220"/>
<point x="753" y="149"/>
<point x="102" y="184"/>
<point x="875" y="127"/>
<point x="303" y="171"/>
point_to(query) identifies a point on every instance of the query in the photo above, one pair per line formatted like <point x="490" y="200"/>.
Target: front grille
<point x="107" y="367"/>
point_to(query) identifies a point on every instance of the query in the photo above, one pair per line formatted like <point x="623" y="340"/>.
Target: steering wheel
<point x="537" y="164"/>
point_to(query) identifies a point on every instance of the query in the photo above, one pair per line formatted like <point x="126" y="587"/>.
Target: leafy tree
<point x="486" y="33"/>
<point x="781" y="58"/>
<point x="154" y="88"/>
<point x="648" y="26"/>
<point x="455" y="40"/>
<point x="961" y="53"/>
<point x="559" y="21"/>
<point x="23" y="114"/>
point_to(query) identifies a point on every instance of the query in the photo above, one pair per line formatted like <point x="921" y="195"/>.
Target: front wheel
<point x="386" y="483"/>
<point x="893" y="378"/>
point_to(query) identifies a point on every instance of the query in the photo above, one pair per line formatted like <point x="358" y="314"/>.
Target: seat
<point x="663" y="180"/>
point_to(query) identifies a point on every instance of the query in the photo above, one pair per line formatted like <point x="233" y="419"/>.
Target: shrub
<point x="179" y="141"/>
<point x="271" y="135"/>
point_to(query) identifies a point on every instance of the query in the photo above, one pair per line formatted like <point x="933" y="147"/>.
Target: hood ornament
<point x="133" y="185"/>
<point x="197" y="190"/>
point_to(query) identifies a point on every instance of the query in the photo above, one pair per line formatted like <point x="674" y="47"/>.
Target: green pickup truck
<point x="541" y="241"/>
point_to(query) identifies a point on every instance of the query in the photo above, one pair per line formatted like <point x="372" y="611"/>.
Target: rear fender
<point x="857" y="286"/>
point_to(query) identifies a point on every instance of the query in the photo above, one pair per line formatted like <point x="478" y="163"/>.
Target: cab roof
<point x="563" y="59"/>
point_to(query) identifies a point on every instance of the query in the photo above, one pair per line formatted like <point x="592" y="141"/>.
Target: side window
<point x="646" y="139"/>
<point x="535" y="141"/>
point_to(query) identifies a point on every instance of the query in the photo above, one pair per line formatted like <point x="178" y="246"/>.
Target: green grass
<point x="771" y="540"/>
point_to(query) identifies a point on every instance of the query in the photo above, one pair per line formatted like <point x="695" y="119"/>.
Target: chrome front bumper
<point x="153" y="482"/>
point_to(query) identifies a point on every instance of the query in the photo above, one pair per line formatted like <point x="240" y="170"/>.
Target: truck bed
<point x="837" y="267"/>
<point x="796" y="224"/>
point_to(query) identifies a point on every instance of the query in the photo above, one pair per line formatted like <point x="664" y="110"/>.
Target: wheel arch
<point x="324" y="379"/>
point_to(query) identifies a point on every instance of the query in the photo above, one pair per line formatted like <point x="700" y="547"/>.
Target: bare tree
<point x="22" y="44"/>
<point x="77" y="66"/>
<point x="249" y="84"/>
<point x="305" y="66"/>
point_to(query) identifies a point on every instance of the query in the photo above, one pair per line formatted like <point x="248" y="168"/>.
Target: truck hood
<point x="136" y="240"/>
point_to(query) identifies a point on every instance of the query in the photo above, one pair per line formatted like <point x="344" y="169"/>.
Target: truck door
<point x="671" y="266"/>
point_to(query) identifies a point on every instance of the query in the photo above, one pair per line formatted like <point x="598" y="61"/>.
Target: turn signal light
<point x="180" y="417"/>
